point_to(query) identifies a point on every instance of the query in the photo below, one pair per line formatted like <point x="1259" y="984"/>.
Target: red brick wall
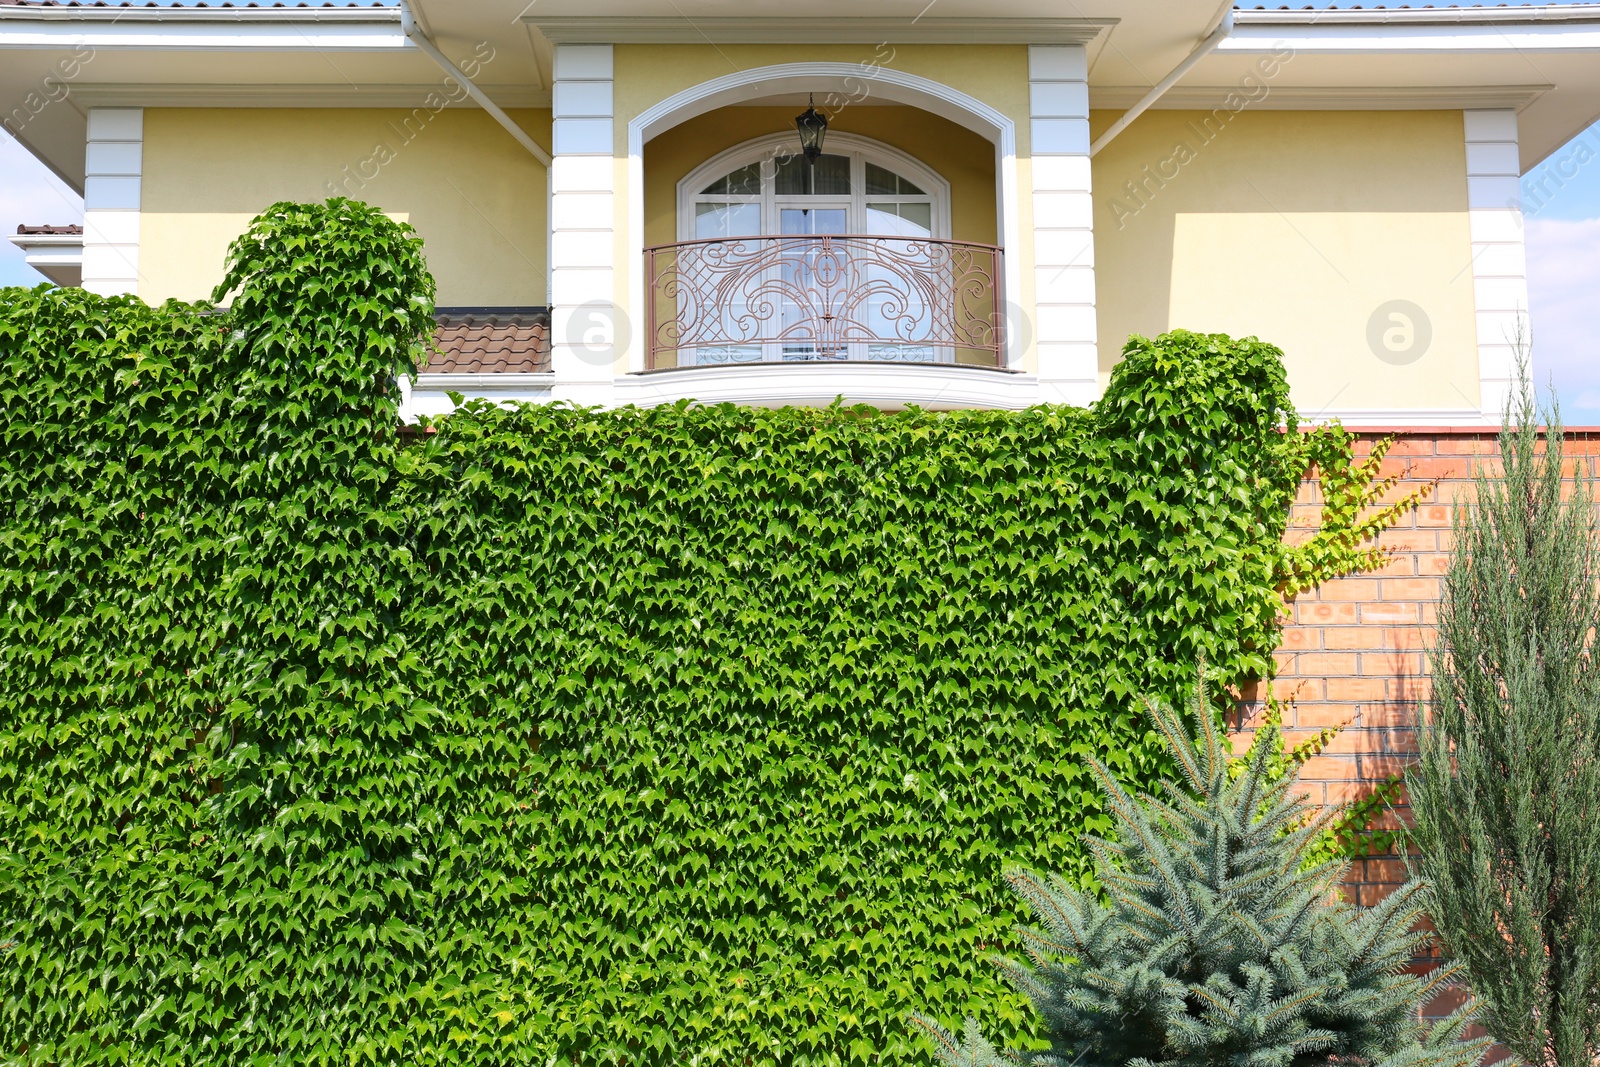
<point x="1353" y="651"/>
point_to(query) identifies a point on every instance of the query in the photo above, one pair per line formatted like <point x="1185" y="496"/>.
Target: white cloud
<point x="1563" y="283"/>
<point x="29" y="193"/>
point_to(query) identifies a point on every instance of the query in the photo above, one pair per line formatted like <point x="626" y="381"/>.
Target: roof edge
<point x="1533" y="13"/>
<point x="39" y="13"/>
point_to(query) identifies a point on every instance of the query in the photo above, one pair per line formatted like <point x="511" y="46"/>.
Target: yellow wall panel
<point x="1298" y="227"/>
<point x="475" y="195"/>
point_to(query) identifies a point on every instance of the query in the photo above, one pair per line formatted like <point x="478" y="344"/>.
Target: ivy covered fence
<point x="688" y="734"/>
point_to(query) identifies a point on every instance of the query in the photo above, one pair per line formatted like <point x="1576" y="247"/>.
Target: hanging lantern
<point x="812" y="124"/>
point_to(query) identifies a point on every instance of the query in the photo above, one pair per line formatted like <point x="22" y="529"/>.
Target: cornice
<point x="1329" y="97"/>
<point x="602" y="29"/>
<point x="342" y="94"/>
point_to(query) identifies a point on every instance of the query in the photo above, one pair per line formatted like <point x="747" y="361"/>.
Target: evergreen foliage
<point x="565" y="735"/>
<point x="1506" y="796"/>
<point x="1349" y="834"/>
<point x="1216" y="946"/>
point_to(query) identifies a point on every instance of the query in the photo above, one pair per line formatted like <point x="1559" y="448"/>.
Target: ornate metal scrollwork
<point x="826" y="297"/>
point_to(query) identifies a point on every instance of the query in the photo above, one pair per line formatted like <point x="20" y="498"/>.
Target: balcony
<point x="823" y="298"/>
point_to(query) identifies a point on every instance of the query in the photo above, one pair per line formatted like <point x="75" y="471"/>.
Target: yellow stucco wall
<point x="474" y="194"/>
<point x="960" y="156"/>
<point x="1295" y="227"/>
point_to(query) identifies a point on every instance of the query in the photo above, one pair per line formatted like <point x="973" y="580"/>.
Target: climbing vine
<point x="688" y="734"/>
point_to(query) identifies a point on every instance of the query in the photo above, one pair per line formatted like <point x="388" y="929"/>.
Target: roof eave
<point x="200" y="15"/>
<point x="1415" y="16"/>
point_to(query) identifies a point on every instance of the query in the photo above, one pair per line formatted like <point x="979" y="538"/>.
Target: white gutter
<point x="409" y="26"/>
<point x="197" y="14"/>
<point x="1201" y="50"/>
<point x="1586" y="12"/>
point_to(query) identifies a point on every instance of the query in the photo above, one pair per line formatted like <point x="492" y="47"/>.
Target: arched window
<point x="765" y="187"/>
<point x="849" y="258"/>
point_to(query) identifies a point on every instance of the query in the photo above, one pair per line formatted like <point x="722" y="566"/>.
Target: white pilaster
<point x="1499" y="265"/>
<point x="113" y="164"/>
<point x="586" y="326"/>
<point x="1063" y="224"/>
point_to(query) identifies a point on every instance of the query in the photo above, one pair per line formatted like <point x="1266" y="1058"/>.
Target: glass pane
<point x="882" y="182"/>
<point x="727" y="220"/>
<point x="828" y="176"/>
<point x="902" y="220"/>
<point x="746" y="181"/>
<point x="812" y="220"/>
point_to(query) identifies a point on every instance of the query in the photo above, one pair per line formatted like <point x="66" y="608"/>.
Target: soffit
<point x="1543" y="60"/>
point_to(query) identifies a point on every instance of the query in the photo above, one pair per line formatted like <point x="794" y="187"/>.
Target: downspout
<point x="414" y="33"/>
<point x="1203" y="49"/>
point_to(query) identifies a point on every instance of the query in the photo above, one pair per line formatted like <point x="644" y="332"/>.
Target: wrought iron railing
<point x="786" y="298"/>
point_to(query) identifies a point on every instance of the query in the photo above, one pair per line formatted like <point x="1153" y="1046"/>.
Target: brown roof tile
<point x="489" y="340"/>
<point x="49" y="231"/>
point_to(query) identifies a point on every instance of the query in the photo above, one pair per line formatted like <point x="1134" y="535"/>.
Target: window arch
<point x="858" y="186"/>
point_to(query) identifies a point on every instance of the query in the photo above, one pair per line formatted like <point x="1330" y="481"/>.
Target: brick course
<point x="1354" y="650"/>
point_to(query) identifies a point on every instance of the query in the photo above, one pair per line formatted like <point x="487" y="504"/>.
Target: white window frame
<point x="861" y="150"/>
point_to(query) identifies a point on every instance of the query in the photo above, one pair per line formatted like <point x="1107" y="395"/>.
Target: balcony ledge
<point x="938" y="387"/>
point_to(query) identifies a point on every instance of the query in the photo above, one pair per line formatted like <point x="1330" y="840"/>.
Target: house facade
<point x="619" y="207"/>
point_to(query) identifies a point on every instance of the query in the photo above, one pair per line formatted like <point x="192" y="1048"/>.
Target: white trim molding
<point x="58" y="256"/>
<point x="1399" y="16"/>
<point x="1499" y="263"/>
<point x="1330" y="97"/>
<point x="585" y="327"/>
<point x="301" y="29"/>
<point x="113" y="174"/>
<point x="1065" y="329"/>
<point x="640" y="29"/>
<point x="883" y="385"/>
<point x="1386" y="417"/>
<point x="430" y="393"/>
<point x="309" y="95"/>
<point x="902" y="87"/>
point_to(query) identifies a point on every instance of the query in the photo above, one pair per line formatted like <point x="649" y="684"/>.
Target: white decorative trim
<point x="1064" y="324"/>
<point x="883" y="385"/>
<point x="913" y="89"/>
<point x="489" y="382"/>
<point x="342" y="94"/>
<point x="1355" y="418"/>
<point x="1499" y="263"/>
<point x="584" y="326"/>
<point x="1329" y="97"/>
<point x="58" y="256"/>
<point x="429" y="395"/>
<point x="111" y="197"/>
<point x="180" y="15"/>
<point x="1510" y="34"/>
<point x="1284" y="16"/>
<point x="167" y="35"/>
<point x="638" y="29"/>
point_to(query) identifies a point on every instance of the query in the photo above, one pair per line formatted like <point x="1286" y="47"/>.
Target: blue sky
<point x="1562" y="206"/>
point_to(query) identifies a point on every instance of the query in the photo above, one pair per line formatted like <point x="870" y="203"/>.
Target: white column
<point x="1499" y="266"/>
<point x="1063" y="224"/>
<point x="586" y="326"/>
<point x="113" y="163"/>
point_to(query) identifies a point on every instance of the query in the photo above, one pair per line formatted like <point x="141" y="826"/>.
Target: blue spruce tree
<point x="1211" y="945"/>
